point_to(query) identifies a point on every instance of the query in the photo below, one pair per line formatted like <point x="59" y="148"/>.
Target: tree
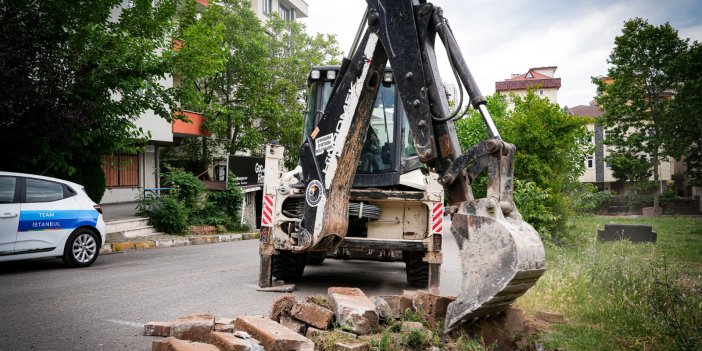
<point x="293" y="54"/>
<point x="551" y="146"/>
<point x="685" y="125"/>
<point x="636" y="100"/>
<point x="247" y="79"/>
<point x="75" y="79"/>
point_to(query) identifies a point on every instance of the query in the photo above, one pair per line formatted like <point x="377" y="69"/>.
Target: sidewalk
<point x="167" y="240"/>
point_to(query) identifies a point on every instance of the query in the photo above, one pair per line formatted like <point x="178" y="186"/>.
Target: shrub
<point x="188" y="187"/>
<point x="536" y="206"/>
<point x="588" y="199"/>
<point x="169" y="214"/>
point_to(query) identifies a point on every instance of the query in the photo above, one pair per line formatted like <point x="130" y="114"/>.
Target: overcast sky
<point x="501" y="37"/>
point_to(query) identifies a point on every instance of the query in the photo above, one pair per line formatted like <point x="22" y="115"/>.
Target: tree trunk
<point x="657" y="193"/>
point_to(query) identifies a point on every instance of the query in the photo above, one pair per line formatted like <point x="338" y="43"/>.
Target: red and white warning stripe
<point x="437" y="218"/>
<point x="267" y="212"/>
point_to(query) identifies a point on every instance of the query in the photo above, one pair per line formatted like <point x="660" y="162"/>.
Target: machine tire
<point x="316" y="258"/>
<point x="416" y="269"/>
<point x="82" y="248"/>
<point x="288" y="265"/>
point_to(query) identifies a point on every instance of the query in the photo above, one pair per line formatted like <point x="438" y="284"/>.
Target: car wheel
<point x="288" y="265"/>
<point x="417" y="270"/>
<point x="81" y="248"/>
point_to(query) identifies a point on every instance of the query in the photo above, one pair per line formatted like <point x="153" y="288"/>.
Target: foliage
<point x="685" y="126"/>
<point x="169" y="214"/>
<point x="551" y="146"/>
<point x="636" y="97"/>
<point x="622" y="296"/>
<point x="246" y="77"/>
<point x="535" y="205"/>
<point x="74" y="81"/>
<point x="188" y="187"/>
<point x="588" y="199"/>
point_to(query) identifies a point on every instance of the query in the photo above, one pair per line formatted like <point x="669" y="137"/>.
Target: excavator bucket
<point x="501" y="257"/>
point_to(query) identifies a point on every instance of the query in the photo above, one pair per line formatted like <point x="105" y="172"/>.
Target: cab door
<point x="48" y="214"/>
<point x="9" y="214"/>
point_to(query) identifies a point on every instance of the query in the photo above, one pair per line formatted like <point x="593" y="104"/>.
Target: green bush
<point x="168" y="214"/>
<point x="187" y="187"/>
<point x="537" y="206"/>
<point x="639" y="200"/>
<point x="588" y="199"/>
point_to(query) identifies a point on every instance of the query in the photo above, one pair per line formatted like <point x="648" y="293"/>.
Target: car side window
<point x="42" y="191"/>
<point x="7" y="189"/>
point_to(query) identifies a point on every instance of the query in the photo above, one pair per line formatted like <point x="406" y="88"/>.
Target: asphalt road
<point x="45" y="306"/>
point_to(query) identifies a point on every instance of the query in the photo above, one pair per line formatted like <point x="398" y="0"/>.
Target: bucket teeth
<point x="501" y="257"/>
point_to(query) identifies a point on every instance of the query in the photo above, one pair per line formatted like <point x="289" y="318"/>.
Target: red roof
<point x="591" y="110"/>
<point x="528" y="80"/>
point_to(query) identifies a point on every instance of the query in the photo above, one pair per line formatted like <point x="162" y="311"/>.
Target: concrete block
<point x="196" y="327"/>
<point x="313" y="314"/>
<point x="273" y="336"/>
<point x="157" y="329"/>
<point x="149" y="244"/>
<point x="550" y="317"/>
<point x="431" y="307"/>
<point x="293" y="324"/>
<point x="232" y="342"/>
<point x="282" y="306"/>
<point x="164" y="243"/>
<point x="173" y="344"/>
<point x="635" y="233"/>
<point x="106" y="249"/>
<point x="651" y="212"/>
<point x="123" y="246"/>
<point x="354" y="310"/>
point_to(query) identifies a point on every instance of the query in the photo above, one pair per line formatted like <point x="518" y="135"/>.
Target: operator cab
<point x="388" y="150"/>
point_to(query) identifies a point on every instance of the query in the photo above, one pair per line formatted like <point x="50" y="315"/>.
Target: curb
<point x="110" y="248"/>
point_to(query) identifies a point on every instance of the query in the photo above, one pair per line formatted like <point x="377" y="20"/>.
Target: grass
<point x="624" y="296"/>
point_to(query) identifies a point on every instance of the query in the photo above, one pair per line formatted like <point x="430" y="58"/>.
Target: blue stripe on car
<point x="56" y="219"/>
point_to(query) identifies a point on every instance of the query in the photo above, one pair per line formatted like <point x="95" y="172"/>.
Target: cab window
<point x="7" y="189"/>
<point x="42" y="191"/>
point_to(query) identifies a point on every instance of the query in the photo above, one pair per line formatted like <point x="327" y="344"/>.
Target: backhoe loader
<point x="380" y="166"/>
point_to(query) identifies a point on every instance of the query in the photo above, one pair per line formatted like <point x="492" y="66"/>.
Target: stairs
<point x="129" y="228"/>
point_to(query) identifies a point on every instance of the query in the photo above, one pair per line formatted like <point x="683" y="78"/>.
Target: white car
<point x="48" y="217"/>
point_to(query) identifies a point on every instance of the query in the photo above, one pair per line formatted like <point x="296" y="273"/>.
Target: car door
<point x="47" y="215"/>
<point x="9" y="214"/>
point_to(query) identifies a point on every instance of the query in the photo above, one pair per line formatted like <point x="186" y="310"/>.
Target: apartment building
<point x="597" y="171"/>
<point x="541" y="79"/>
<point x="128" y="176"/>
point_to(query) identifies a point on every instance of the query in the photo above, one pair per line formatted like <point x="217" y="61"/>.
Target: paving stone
<point x="157" y="329"/>
<point x="383" y="309"/>
<point x="174" y="344"/>
<point x="272" y="335"/>
<point x="293" y="324"/>
<point x="224" y="328"/>
<point x="398" y="304"/>
<point x="430" y="306"/>
<point x="196" y="327"/>
<point x="550" y="317"/>
<point x="106" y="249"/>
<point x="282" y="306"/>
<point x="224" y="320"/>
<point x="354" y="310"/>
<point x="232" y="342"/>
<point x="313" y="314"/>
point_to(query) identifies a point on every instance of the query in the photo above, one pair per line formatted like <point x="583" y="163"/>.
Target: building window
<point x="541" y="92"/>
<point x="121" y="170"/>
<point x="267" y="7"/>
<point x="286" y="13"/>
<point x="590" y="161"/>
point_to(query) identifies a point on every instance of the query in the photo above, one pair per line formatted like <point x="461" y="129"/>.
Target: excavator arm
<point x="501" y="255"/>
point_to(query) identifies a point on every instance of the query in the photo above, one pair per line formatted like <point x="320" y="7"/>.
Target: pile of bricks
<point x="293" y="325"/>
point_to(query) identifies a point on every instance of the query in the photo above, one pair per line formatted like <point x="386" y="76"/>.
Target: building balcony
<point x="182" y="129"/>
